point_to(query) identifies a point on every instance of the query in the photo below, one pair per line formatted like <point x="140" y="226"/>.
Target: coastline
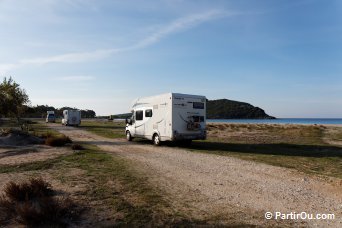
<point x="302" y="121"/>
<point x="281" y="124"/>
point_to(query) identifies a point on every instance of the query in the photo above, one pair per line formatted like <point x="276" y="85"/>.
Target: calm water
<point x="279" y="121"/>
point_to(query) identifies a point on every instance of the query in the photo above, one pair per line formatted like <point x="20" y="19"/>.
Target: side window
<point x="139" y="115"/>
<point x="198" y="105"/>
<point x="148" y="113"/>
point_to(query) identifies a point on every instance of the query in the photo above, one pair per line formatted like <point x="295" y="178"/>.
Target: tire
<point x="156" y="140"/>
<point x="187" y="142"/>
<point x="128" y="136"/>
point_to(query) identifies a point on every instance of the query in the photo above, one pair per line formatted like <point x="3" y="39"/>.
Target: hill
<point x="224" y="109"/>
<point x="228" y="109"/>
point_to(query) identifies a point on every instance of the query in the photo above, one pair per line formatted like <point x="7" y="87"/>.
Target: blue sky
<point x="284" y="56"/>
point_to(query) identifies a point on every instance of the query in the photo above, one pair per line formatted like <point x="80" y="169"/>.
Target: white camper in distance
<point x="168" y="117"/>
<point x="50" y="116"/>
<point x="71" y="117"/>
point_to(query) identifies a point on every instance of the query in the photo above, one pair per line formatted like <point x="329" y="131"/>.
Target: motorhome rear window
<point x="148" y="113"/>
<point x="139" y="115"/>
<point x="198" y="105"/>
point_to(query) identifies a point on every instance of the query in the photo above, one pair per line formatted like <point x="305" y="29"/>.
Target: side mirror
<point x="129" y="121"/>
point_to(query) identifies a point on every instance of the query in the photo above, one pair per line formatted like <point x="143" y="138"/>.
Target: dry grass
<point x="313" y="149"/>
<point x="33" y="204"/>
<point x="267" y="133"/>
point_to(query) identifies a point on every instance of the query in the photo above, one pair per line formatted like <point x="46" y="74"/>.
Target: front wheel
<point x="128" y="136"/>
<point x="156" y="140"/>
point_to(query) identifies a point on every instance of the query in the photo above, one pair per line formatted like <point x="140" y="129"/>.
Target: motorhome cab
<point x="168" y="117"/>
<point x="50" y="116"/>
<point x="71" y="117"/>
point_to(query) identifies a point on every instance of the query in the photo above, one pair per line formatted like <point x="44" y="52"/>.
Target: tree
<point x="12" y="98"/>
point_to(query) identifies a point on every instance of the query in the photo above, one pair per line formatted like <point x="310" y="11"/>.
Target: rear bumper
<point x="189" y="136"/>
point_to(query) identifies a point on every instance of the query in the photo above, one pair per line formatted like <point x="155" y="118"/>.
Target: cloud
<point x="178" y="25"/>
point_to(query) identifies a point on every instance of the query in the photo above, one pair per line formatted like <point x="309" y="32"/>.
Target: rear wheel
<point x="128" y="136"/>
<point x="156" y="140"/>
<point x="187" y="142"/>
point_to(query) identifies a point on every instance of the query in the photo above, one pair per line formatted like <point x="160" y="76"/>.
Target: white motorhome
<point x="168" y="117"/>
<point x="50" y="116"/>
<point x="71" y="117"/>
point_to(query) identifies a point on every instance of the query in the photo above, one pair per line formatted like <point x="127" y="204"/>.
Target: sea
<point x="280" y="121"/>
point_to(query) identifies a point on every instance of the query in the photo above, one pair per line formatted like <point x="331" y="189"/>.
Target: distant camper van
<point x="50" y="117"/>
<point x="71" y="117"/>
<point x="168" y="117"/>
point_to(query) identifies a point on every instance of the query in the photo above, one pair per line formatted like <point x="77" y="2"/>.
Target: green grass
<point x="10" y="123"/>
<point x="31" y="166"/>
<point x="102" y="168"/>
<point x="106" y="129"/>
<point x="41" y="130"/>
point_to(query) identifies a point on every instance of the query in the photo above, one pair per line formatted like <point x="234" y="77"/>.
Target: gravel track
<point x="226" y="190"/>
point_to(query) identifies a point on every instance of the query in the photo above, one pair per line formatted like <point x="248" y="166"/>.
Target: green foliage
<point x="228" y="109"/>
<point x="121" y="116"/>
<point x="12" y="99"/>
<point x="39" y="111"/>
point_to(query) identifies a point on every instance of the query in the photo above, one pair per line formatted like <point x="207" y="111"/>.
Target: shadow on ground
<point x="265" y="149"/>
<point x="270" y="149"/>
<point x="102" y="127"/>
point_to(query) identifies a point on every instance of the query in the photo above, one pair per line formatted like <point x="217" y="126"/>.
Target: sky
<point x="284" y="56"/>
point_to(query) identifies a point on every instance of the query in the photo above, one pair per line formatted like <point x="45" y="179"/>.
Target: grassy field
<point x="105" y="128"/>
<point x="119" y="194"/>
<point x="301" y="147"/>
<point x="112" y="184"/>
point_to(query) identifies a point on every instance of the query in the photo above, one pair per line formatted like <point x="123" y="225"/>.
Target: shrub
<point x="57" y="140"/>
<point x="77" y="147"/>
<point x="46" y="135"/>
<point x="33" y="204"/>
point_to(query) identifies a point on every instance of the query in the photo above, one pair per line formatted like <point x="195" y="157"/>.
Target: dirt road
<point x="225" y="190"/>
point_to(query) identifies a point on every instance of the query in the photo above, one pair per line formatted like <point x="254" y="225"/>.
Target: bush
<point x="77" y="147"/>
<point x="46" y="135"/>
<point x="57" y="140"/>
<point x="33" y="204"/>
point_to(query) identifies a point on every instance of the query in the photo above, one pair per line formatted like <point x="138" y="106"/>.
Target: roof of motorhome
<point x="173" y="94"/>
<point x="142" y="99"/>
